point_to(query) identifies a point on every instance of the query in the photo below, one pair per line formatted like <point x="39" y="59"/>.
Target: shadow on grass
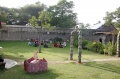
<point x="18" y="72"/>
<point x="104" y="66"/>
<point x="17" y="57"/>
<point x="56" y="55"/>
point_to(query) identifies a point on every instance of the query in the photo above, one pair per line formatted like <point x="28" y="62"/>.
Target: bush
<point x="57" y="39"/>
<point x="75" y="43"/>
<point x="84" y="44"/>
<point x="114" y="49"/>
<point x="109" y="49"/>
<point x="89" y="46"/>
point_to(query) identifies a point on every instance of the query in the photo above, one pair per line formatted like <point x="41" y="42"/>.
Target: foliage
<point x="109" y="49"/>
<point x="57" y="39"/>
<point x="75" y="41"/>
<point x="113" y="18"/>
<point x="84" y="43"/>
<point x="33" y="21"/>
<point x="33" y="9"/>
<point x="3" y="16"/>
<point x="21" y="15"/>
<point x="43" y="20"/>
<point x="62" y="14"/>
<point x="84" y="26"/>
<point x="89" y="46"/>
<point x="98" y="47"/>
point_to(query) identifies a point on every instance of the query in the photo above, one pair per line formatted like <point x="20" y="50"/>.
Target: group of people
<point x="60" y="45"/>
<point x="44" y="43"/>
<point x="33" y="42"/>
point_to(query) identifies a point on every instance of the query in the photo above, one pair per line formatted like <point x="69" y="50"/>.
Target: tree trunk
<point x="40" y="39"/>
<point x="118" y="44"/>
<point x="113" y="40"/>
<point x="71" y="47"/>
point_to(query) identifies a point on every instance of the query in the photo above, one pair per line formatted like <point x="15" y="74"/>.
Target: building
<point x="102" y="34"/>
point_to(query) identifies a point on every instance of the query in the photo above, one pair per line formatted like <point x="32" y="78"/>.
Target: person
<point x="50" y="41"/>
<point x="36" y="43"/>
<point x="35" y="57"/>
<point x="1" y="60"/>
<point x="30" y="43"/>
<point x="64" y="44"/>
<point x="60" y="45"/>
<point x="55" y="44"/>
<point x="45" y="46"/>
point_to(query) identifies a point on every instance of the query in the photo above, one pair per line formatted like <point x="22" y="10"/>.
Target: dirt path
<point x="73" y="61"/>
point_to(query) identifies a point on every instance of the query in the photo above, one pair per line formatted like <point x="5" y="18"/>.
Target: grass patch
<point x="56" y="69"/>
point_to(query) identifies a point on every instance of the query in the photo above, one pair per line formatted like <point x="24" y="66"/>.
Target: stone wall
<point x="27" y="32"/>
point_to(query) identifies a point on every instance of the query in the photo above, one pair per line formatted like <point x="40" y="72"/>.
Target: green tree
<point x="43" y="20"/>
<point x="3" y="16"/>
<point x="63" y="15"/>
<point x="22" y="14"/>
<point x="113" y="18"/>
<point x="33" y="9"/>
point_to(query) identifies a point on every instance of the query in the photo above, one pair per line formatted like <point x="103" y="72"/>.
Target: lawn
<point x="57" y="69"/>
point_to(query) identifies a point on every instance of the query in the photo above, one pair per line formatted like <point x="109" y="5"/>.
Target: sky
<point x="89" y="11"/>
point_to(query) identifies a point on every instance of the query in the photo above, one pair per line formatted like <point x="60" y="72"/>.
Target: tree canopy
<point x="42" y="20"/>
<point x="113" y="18"/>
<point x="63" y="15"/>
<point x="21" y="15"/>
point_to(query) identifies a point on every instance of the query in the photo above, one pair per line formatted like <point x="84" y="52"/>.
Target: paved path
<point x="107" y="59"/>
<point x="98" y="60"/>
<point x="11" y="63"/>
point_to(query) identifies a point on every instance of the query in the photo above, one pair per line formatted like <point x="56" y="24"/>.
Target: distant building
<point x="2" y="24"/>
<point x="102" y="34"/>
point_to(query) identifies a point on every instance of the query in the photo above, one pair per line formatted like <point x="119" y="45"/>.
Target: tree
<point x="43" y="20"/>
<point x="114" y="19"/>
<point x="63" y="15"/>
<point x="33" y="9"/>
<point x="21" y="15"/>
<point x="3" y="16"/>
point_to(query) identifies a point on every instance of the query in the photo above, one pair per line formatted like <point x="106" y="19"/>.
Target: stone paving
<point x="11" y="63"/>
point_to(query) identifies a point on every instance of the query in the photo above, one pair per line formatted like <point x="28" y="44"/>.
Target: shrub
<point x="89" y="46"/>
<point x="57" y="39"/>
<point x="84" y="44"/>
<point x="109" y="49"/>
<point x="95" y="46"/>
<point x="75" y="43"/>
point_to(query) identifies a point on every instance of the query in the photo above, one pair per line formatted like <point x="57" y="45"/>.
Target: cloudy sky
<point x="89" y="11"/>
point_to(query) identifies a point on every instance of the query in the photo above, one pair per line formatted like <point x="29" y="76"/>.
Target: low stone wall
<point x="25" y="33"/>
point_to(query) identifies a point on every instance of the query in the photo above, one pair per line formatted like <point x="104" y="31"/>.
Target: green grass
<point x="89" y="70"/>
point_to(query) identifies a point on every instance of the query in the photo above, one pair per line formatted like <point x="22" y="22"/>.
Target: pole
<point x="71" y="47"/>
<point x="79" y="46"/>
<point x="118" y="44"/>
<point x="40" y="38"/>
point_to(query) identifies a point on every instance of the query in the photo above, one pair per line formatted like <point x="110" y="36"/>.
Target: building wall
<point x="25" y="33"/>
